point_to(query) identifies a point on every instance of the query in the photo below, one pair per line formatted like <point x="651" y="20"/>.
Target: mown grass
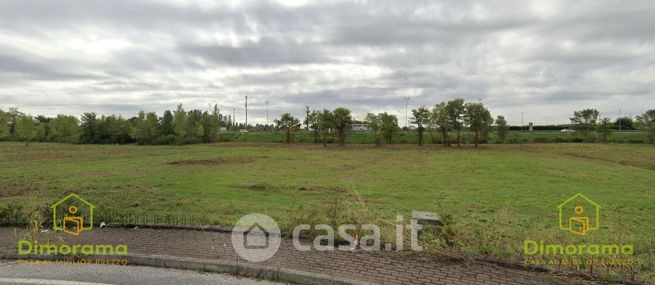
<point x="496" y="195"/>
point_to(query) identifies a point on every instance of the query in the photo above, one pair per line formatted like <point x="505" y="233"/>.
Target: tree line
<point x="448" y="116"/>
<point x="178" y="126"/>
<point x="447" y="119"/>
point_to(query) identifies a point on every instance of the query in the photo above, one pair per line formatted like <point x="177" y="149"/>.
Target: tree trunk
<point x="342" y="140"/>
<point x="445" y="137"/>
<point x="27" y="142"/>
<point x="420" y="138"/>
<point x="288" y="136"/>
<point x="477" y="137"/>
<point x="459" y="141"/>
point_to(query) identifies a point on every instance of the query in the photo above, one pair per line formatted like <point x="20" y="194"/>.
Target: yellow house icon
<point x="579" y="215"/>
<point x="72" y="220"/>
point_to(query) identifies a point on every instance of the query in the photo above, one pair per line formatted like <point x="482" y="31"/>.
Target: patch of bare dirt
<point x="15" y="188"/>
<point x="213" y="161"/>
<point x="319" y="189"/>
<point x="256" y="186"/>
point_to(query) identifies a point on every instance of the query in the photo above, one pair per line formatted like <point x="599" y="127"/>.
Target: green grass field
<point x="497" y="195"/>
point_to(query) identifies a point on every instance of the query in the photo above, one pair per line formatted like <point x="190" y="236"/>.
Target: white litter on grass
<point x="103" y="225"/>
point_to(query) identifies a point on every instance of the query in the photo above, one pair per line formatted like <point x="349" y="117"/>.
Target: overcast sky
<point x="543" y="58"/>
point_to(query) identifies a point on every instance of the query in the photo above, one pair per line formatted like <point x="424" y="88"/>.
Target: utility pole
<point x="234" y="116"/>
<point x="246" y="112"/>
<point x="619" y="120"/>
<point x="306" y="118"/>
<point x="267" y="102"/>
<point x="406" y="113"/>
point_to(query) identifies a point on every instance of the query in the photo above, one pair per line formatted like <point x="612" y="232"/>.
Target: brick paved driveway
<point x="377" y="267"/>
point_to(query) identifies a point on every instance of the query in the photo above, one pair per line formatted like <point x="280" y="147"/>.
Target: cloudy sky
<point x="543" y="58"/>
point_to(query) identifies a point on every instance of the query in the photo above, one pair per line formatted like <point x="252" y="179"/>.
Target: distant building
<point x="360" y="127"/>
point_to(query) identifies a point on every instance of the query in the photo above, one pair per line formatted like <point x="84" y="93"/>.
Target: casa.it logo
<point x="256" y="237"/>
<point x="72" y="215"/>
<point x="579" y="215"/>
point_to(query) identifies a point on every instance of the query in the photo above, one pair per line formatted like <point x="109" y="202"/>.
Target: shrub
<point x="165" y="140"/>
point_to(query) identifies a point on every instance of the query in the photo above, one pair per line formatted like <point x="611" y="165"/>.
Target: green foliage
<point x="375" y="124"/>
<point x="26" y="128"/>
<point x="441" y="119"/>
<point x="624" y="123"/>
<point x="166" y="125"/>
<point x="389" y="126"/>
<point x="5" y="122"/>
<point x="325" y="124"/>
<point x="342" y="122"/>
<point x="146" y="128"/>
<point x="12" y="213"/>
<point x="288" y="124"/>
<point x="179" y="123"/>
<point x="647" y="121"/>
<point x="501" y="128"/>
<point x="455" y="110"/>
<point x="420" y="117"/>
<point x="585" y="121"/>
<point x="64" y="129"/>
<point x="605" y="129"/>
<point x="478" y="118"/>
<point x="312" y="120"/>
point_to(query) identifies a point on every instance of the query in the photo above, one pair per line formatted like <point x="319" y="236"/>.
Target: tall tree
<point x="605" y="128"/>
<point x="210" y="124"/>
<point x="64" y="129"/>
<point x="478" y="118"/>
<point x="389" y="126"/>
<point x="289" y="124"/>
<point x="441" y="119"/>
<point x="501" y="128"/>
<point x="5" y="122"/>
<point x="26" y="128"/>
<point x="420" y="117"/>
<point x="89" y="128"/>
<point x="146" y="128"/>
<point x="342" y="121"/>
<point x="312" y="121"/>
<point x="375" y="124"/>
<point x="585" y="121"/>
<point x="166" y="125"/>
<point x="325" y="125"/>
<point x="179" y="123"/>
<point x="455" y="109"/>
<point x="647" y="121"/>
<point x="624" y="123"/>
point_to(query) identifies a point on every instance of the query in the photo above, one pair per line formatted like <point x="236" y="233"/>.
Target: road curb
<point x="277" y="274"/>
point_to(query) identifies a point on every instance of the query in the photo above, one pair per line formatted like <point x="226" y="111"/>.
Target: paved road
<point x="377" y="267"/>
<point x="15" y="273"/>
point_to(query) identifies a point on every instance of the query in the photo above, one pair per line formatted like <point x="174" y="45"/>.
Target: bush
<point x="165" y="140"/>
<point x="12" y="213"/>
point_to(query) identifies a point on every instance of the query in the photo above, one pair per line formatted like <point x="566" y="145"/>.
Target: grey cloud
<point x="559" y="55"/>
